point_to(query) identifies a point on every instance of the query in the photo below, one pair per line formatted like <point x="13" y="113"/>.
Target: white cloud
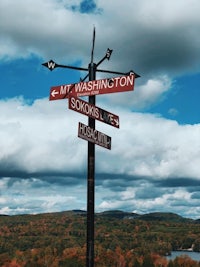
<point x="44" y="28"/>
<point x="43" y="138"/>
<point x="173" y="111"/>
<point x="36" y="196"/>
<point x="33" y="136"/>
<point x="177" y="200"/>
<point x="144" y="95"/>
<point x="153" y="38"/>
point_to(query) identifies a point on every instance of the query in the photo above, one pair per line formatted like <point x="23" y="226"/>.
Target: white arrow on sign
<point x="116" y="122"/>
<point x="54" y="93"/>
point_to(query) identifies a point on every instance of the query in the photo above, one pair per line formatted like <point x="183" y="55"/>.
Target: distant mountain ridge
<point x="154" y="216"/>
<point x="119" y="214"/>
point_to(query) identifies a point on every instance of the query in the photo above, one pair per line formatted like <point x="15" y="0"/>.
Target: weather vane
<point x="92" y="88"/>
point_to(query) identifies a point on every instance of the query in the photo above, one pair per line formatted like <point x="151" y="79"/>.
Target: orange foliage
<point x="186" y="261"/>
<point x="159" y="261"/>
<point x="13" y="263"/>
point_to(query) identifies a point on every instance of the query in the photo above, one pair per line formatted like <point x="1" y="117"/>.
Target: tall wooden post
<point x="91" y="181"/>
<point x="56" y="93"/>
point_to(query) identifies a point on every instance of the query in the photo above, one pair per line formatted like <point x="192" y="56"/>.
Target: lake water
<point x="193" y="255"/>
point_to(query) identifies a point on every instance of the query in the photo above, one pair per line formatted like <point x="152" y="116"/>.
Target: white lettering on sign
<point x="99" y="85"/>
<point x="96" y="87"/>
<point x="84" y="107"/>
<point x="94" y="136"/>
<point x="64" y="89"/>
<point x="92" y="111"/>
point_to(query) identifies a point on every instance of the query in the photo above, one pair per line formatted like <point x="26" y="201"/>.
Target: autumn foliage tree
<point x="59" y="239"/>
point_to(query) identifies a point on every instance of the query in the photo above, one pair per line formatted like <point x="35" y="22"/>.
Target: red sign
<point x="96" y="87"/>
<point x="93" y="112"/>
<point x="87" y="133"/>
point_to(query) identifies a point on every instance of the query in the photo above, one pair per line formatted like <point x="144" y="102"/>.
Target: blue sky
<point x="154" y="163"/>
<point x="182" y="103"/>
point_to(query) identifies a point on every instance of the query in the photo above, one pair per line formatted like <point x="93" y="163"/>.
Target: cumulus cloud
<point x="42" y="138"/>
<point x="34" y="24"/>
<point x="145" y="95"/>
<point x="156" y="40"/>
<point x="145" y="197"/>
<point x="156" y="43"/>
<point x="31" y="135"/>
<point x="37" y="196"/>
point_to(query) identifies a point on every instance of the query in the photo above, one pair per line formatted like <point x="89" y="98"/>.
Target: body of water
<point x="193" y="255"/>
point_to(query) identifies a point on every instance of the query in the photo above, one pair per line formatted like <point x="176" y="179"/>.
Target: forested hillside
<point x="121" y="239"/>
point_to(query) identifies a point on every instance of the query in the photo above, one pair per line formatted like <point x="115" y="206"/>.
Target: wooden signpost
<point x="88" y="132"/>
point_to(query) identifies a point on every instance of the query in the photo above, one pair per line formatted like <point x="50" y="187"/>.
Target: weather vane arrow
<point x="51" y="65"/>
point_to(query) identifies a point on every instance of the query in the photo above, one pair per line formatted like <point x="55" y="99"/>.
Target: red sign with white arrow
<point x="93" y="111"/>
<point x="96" y="87"/>
<point x="94" y="136"/>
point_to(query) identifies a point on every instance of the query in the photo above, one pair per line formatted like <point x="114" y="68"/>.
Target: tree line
<point x="59" y="239"/>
